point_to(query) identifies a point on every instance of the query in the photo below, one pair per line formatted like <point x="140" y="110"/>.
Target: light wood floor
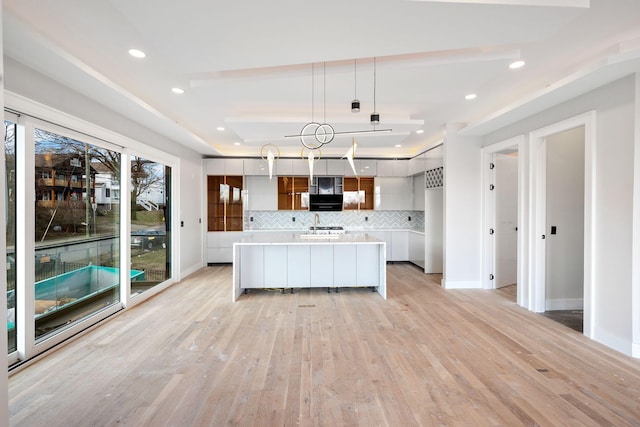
<point x="191" y="357"/>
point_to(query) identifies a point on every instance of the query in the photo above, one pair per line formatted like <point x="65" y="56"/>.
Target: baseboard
<point x="461" y="284"/>
<point x="189" y="271"/>
<point x="635" y="350"/>
<point x="617" y="343"/>
<point x="564" y="304"/>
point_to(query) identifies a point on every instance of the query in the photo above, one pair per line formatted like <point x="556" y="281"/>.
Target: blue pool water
<point x="77" y="285"/>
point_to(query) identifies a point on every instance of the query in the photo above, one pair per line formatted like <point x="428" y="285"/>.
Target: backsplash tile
<point x="350" y="220"/>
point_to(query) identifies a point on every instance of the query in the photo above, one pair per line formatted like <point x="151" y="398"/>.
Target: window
<point x="77" y="259"/>
<point x="10" y="203"/>
<point x="150" y="223"/>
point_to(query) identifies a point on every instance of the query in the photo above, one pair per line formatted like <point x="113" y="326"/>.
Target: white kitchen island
<point x="290" y="260"/>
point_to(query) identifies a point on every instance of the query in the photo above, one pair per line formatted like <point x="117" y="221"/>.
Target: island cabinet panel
<point x="252" y="266"/>
<point x="299" y="265"/>
<point x="275" y="266"/>
<point x="344" y="262"/>
<point x="367" y="272"/>
<point x="321" y="265"/>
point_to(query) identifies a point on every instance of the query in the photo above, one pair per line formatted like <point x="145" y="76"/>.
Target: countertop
<point x="294" y="238"/>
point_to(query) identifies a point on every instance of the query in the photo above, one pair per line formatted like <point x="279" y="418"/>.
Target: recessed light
<point x="220" y="128"/>
<point x="420" y="131"/>
<point x="236" y="143"/>
<point x="470" y="96"/>
<point x="137" y="53"/>
<point x="398" y="145"/>
<point x="517" y="64"/>
<point x="177" y="90"/>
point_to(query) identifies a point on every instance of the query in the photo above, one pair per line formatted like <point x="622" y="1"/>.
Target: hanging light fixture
<point x="311" y="159"/>
<point x="349" y="155"/>
<point x="314" y="135"/>
<point x="321" y="133"/>
<point x="375" y="117"/>
<point x="355" y="104"/>
<point x="270" y="157"/>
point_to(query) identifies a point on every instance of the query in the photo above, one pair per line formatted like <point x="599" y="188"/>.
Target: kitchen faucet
<point x="316" y="221"/>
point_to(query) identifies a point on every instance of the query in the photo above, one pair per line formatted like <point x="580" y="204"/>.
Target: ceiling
<point x="262" y="70"/>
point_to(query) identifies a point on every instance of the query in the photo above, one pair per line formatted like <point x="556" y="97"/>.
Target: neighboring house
<point x="106" y="187"/>
<point x="60" y="178"/>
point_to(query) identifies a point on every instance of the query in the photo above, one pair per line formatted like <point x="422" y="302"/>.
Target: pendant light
<point x="355" y="104"/>
<point x="375" y="117"/>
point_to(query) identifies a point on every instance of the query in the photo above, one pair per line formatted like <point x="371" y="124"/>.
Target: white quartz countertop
<point x="291" y="238"/>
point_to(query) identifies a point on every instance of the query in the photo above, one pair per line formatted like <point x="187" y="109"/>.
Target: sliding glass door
<point x="150" y="223"/>
<point x="77" y="232"/>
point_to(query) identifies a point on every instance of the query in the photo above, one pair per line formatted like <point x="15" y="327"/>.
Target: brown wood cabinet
<point x="293" y="193"/>
<point x="224" y="203"/>
<point x="358" y="193"/>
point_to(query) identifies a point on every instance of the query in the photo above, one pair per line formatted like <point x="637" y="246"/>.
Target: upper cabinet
<point x="418" y="164"/>
<point x="364" y="167"/>
<point x="295" y="167"/>
<point x="223" y="166"/>
<point x="398" y="168"/>
<point x="393" y="193"/>
<point x="257" y="167"/>
<point x="293" y="193"/>
<point x="261" y="193"/>
<point x="224" y="203"/>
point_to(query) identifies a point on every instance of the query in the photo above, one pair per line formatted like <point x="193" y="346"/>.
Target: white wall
<point x="565" y="210"/>
<point x="36" y="87"/>
<point x="462" y="201"/>
<point x="635" y="256"/>
<point x="611" y="294"/>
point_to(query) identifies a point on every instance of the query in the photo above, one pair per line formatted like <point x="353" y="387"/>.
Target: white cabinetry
<point x="364" y="167"/>
<point x="223" y="166"/>
<point x="220" y="245"/>
<point x="252" y="266"/>
<point x="261" y="193"/>
<point x="299" y="259"/>
<point x="418" y="192"/>
<point x="275" y="266"/>
<point x="393" y="168"/>
<point x="256" y="167"/>
<point x="365" y="274"/>
<point x="393" y="194"/>
<point x="418" y="164"/>
<point x="397" y="243"/>
<point x="416" y="248"/>
<point x="400" y="245"/>
<point x="298" y="167"/>
<point x="321" y="265"/>
<point x="336" y="166"/>
<point x="344" y="262"/>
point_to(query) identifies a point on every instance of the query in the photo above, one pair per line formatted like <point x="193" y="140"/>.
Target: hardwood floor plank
<point x="191" y="357"/>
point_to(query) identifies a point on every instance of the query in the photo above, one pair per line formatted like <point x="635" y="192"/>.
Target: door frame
<point x="537" y="251"/>
<point x="489" y="215"/>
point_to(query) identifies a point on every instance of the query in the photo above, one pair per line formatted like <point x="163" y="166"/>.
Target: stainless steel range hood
<point x="325" y="202"/>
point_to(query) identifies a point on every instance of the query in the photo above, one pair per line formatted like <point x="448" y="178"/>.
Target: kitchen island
<point x="292" y="260"/>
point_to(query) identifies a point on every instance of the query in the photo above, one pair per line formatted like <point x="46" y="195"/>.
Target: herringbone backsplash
<point x="350" y="220"/>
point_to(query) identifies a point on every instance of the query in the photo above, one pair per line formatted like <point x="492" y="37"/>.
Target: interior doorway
<point x="562" y="223"/>
<point x="564" y="217"/>
<point x="504" y="218"/>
